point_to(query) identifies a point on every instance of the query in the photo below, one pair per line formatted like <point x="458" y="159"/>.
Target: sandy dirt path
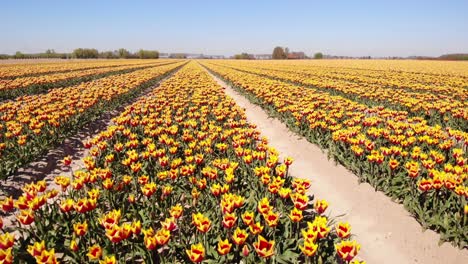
<point x="386" y="231"/>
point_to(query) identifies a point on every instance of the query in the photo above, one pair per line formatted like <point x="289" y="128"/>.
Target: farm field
<point x="402" y="153"/>
<point x="185" y="174"/>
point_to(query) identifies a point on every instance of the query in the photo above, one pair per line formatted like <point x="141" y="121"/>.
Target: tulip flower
<point x="47" y="257"/>
<point x="393" y="164"/>
<point x="7" y="240"/>
<point x="149" y="240"/>
<point x="295" y="215"/>
<point x="256" y="228"/>
<point x="229" y="220"/>
<point x="300" y="201"/>
<point x="67" y="160"/>
<point x="264" y="206"/>
<point x="245" y="250"/>
<point x="108" y="184"/>
<point x="320" y="206"/>
<point x="176" y="211"/>
<point x="284" y="193"/>
<point x="248" y="217"/>
<point x="309" y="234"/>
<point x="26" y="217"/>
<point x="7" y="204"/>
<point x="162" y="236"/>
<point x="63" y="181"/>
<point x="37" y="248"/>
<point x="239" y="236"/>
<point x="309" y="248"/>
<point x="343" y="230"/>
<point x="148" y="189"/>
<point x="264" y="248"/>
<point x="202" y="222"/>
<point x="110" y="219"/>
<point x="271" y="218"/>
<point x="169" y="224"/>
<point x="74" y="245"/>
<point x="347" y="250"/>
<point x="114" y="233"/>
<point x="108" y="260"/>
<point x="6" y="256"/>
<point x="94" y="252"/>
<point x="196" y="253"/>
<point x="425" y="185"/>
<point x="80" y="228"/>
<point x="224" y="247"/>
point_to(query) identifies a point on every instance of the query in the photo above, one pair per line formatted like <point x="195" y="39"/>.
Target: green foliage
<point x="19" y="55"/>
<point x="85" y="53"/>
<point x="461" y="56"/>
<point x="148" y="54"/>
<point x="318" y="55"/>
<point x="243" y="56"/>
<point x="123" y="53"/>
<point x="108" y="55"/>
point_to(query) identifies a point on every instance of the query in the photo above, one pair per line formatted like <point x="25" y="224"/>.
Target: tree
<point x="50" y="53"/>
<point x="108" y="55"/>
<point x="85" y="53"/>
<point x="243" y="56"/>
<point x="123" y="53"/>
<point x="278" y="54"/>
<point x="318" y="56"/>
<point x="19" y="55"/>
<point x="148" y="54"/>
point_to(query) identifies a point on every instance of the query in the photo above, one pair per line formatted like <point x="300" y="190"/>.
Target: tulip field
<point x="31" y="124"/>
<point x="181" y="176"/>
<point x="403" y="135"/>
<point x="26" y="84"/>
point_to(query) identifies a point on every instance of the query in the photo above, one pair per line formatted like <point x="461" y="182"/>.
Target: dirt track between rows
<point x="386" y="231"/>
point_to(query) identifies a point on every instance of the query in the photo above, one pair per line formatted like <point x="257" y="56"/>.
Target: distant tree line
<point x="458" y="56"/>
<point x="280" y="53"/>
<point x="244" y="56"/>
<point x="85" y="53"/>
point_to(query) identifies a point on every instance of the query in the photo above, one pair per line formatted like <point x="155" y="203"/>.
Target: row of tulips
<point x="10" y="89"/>
<point x="12" y="71"/>
<point x="424" y="167"/>
<point x="443" y="82"/>
<point x="444" y="108"/>
<point x="422" y="67"/>
<point x="181" y="177"/>
<point x="30" y="125"/>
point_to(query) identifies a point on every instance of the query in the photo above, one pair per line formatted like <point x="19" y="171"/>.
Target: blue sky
<point x="355" y="28"/>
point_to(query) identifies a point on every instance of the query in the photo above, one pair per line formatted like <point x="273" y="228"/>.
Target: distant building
<point x="296" y="55"/>
<point x="178" y="55"/>
<point x="263" y="56"/>
<point x="218" y="57"/>
<point x="163" y="55"/>
<point x="193" y="56"/>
